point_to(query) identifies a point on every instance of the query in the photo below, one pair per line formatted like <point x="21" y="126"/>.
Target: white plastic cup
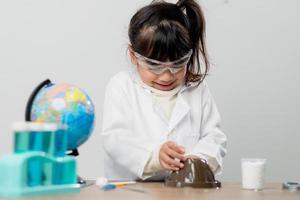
<point x="253" y="173"/>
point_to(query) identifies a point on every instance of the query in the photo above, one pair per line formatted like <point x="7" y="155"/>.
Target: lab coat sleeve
<point x="212" y="142"/>
<point x="120" y="143"/>
<point x="153" y="165"/>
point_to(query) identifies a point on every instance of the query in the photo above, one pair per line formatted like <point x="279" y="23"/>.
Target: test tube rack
<point x="39" y="164"/>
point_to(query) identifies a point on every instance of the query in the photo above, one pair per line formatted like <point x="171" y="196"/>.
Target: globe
<point x="66" y="105"/>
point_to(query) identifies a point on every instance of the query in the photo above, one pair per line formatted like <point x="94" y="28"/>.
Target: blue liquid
<point x="60" y="143"/>
<point x="40" y="141"/>
<point x="21" y="142"/>
<point x="34" y="173"/>
<point x="58" y="173"/>
<point x="33" y="141"/>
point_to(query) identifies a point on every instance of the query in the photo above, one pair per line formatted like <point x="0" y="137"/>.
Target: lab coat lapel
<point x="159" y="111"/>
<point x="180" y="110"/>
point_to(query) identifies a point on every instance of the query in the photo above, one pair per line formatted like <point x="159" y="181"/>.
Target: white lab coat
<point x="133" y="126"/>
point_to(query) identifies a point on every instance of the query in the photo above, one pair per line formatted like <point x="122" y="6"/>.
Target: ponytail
<point x="196" y="25"/>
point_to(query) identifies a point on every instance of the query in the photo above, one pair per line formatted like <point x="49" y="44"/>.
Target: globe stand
<point x="74" y="152"/>
<point x="81" y="181"/>
<point x="31" y="98"/>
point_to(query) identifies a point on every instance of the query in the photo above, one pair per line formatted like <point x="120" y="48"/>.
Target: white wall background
<point x="254" y="46"/>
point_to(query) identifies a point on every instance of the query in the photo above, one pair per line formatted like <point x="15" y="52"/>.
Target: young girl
<point x="161" y="112"/>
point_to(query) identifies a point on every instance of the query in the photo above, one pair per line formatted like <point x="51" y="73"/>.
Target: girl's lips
<point x="165" y="86"/>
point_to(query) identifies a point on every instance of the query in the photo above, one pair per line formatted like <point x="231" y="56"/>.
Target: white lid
<point x="33" y="126"/>
<point x="50" y="126"/>
<point x="254" y="160"/>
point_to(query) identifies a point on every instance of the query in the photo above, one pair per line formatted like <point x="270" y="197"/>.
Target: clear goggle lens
<point x="158" y="67"/>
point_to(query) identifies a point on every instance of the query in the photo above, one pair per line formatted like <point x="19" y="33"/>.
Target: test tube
<point x="59" y="142"/>
<point x="21" y="137"/>
<point x="32" y="136"/>
<point x="54" y="168"/>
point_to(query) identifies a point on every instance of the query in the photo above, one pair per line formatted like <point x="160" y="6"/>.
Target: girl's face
<point x="165" y="81"/>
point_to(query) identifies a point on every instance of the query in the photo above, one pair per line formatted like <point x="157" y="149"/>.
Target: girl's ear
<point x="132" y="56"/>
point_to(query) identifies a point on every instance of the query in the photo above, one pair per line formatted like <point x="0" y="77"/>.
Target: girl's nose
<point x="166" y="76"/>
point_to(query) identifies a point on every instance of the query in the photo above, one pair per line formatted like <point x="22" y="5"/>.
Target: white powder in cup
<point x="253" y="173"/>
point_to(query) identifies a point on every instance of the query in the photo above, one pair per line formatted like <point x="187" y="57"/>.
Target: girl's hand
<point x="170" y="155"/>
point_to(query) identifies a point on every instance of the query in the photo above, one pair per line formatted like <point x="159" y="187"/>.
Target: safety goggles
<point x="158" y="67"/>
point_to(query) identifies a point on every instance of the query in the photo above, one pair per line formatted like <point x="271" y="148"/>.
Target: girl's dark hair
<point x="167" y="31"/>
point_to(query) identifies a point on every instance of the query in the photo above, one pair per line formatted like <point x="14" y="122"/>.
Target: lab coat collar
<point x="181" y="108"/>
